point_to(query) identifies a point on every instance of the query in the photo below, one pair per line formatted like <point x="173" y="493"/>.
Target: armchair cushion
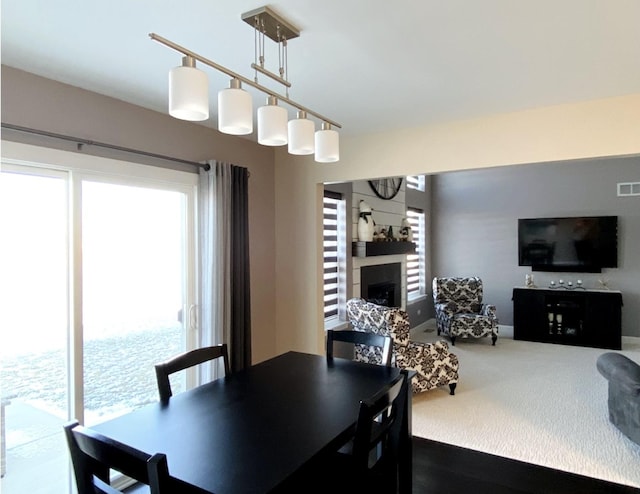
<point x="475" y="325"/>
<point x="434" y="364"/>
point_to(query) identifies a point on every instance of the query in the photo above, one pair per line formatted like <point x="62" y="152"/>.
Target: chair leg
<point x="452" y="387"/>
<point x="453" y="340"/>
<point x="494" y="337"/>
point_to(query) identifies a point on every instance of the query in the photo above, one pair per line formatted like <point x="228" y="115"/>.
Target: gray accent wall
<point x="475" y="220"/>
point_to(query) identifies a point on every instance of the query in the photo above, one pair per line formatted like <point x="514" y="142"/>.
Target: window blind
<point x="331" y="253"/>
<point x="416" y="262"/>
<point x="415" y="182"/>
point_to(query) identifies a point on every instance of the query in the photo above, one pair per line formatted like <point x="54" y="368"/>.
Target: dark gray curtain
<point x="225" y="303"/>
<point x="241" y="294"/>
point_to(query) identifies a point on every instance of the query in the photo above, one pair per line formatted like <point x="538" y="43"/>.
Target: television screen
<point x="580" y="244"/>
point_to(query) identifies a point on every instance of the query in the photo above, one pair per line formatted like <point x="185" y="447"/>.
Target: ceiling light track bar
<point x="232" y="74"/>
<point x="268" y="73"/>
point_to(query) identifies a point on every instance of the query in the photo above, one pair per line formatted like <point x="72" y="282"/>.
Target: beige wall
<point x="609" y="127"/>
<point x="35" y="102"/>
<point x="285" y="198"/>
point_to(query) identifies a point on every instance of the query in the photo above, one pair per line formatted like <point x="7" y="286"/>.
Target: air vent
<point x="628" y="189"/>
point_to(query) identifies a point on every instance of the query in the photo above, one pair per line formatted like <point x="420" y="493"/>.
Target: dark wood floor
<point x="440" y="468"/>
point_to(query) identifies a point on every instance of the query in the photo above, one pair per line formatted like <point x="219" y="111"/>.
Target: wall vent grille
<point x="626" y="189"/>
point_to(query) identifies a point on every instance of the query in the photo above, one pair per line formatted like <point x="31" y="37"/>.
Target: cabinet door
<point x="529" y="315"/>
<point x="603" y="320"/>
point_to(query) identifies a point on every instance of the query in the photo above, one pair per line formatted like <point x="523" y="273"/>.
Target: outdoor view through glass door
<point x="119" y="263"/>
<point x="34" y="323"/>
<point x="133" y="293"/>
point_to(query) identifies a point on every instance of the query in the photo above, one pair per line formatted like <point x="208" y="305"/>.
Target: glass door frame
<point x="38" y="160"/>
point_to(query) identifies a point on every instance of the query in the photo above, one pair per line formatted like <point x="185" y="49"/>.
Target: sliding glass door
<point x="34" y="325"/>
<point x="97" y="285"/>
<point x="133" y="292"/>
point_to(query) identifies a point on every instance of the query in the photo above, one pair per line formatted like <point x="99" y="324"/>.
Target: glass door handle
<point x="193" y="317"/>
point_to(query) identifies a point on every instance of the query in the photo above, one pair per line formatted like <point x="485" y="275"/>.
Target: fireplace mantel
<point x="368" y="249"/>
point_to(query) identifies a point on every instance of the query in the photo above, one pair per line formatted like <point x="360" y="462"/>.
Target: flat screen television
<point x="584" y="244"/>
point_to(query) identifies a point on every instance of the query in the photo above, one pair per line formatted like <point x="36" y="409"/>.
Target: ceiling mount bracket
<point x="273" y="26"/>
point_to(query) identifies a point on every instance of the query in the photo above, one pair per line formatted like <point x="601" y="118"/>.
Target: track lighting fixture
<point x="327" y="144"/>
<point x="188" y="95"/>
<point x="272" y="123"/>
<point x="235" y="110"/>
<point x="301" y="134"/>
<point x="188" y="91"/>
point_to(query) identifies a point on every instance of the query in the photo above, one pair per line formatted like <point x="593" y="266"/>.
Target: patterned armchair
<point x="460" y="311"/>
<point x="434" y="364"/>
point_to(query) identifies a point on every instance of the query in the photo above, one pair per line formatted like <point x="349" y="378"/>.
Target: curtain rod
<point x="86" y="142"/>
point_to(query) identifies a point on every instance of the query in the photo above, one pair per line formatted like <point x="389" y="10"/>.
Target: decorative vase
<point x="365" y="223"/>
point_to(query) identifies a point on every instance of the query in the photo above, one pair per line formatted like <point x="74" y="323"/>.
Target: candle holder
<point x="559" y="324"/>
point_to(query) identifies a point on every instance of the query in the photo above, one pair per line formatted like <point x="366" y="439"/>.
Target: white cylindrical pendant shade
<point x="235" y="110"/>
<point x="327" y="145"/>
<point x="301" y="135"/>
<point x="272" y="124"/>
<point x="188" y="93"/>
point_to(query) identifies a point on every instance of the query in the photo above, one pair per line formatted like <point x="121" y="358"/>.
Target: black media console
<point x="570" y="317"/>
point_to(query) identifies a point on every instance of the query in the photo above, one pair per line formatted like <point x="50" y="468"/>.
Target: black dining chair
<point x="383" y="343"/>
<point x="370" y="461"/>
<point x="376" y="445"/>
<point x="186" y="360"/>
<point x="93" y="456"/>
<point x="158" y="471"/>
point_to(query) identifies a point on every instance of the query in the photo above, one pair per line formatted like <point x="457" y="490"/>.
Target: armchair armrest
<point x="622" y="371"/>
<point x="436" y="348"/>
<point x="447" y="309"/>
<point x="434" y="364"/>
<point x="489" y="310"/>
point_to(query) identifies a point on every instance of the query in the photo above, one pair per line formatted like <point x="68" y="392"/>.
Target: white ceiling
<point x="370" y="65"/>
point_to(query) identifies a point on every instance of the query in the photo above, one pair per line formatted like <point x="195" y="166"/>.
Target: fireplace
<point x="382" y="284"/>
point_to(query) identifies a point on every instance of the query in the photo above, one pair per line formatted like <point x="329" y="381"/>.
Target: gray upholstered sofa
<point x="434" y="364"/>
<point x="623" y="375"/>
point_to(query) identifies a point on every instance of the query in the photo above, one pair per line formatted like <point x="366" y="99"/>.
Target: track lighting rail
<point x="232" y="74"/>
<point x="268" y="73"/>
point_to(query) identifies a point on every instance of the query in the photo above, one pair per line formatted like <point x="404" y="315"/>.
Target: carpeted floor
<point x="540" y="403"/>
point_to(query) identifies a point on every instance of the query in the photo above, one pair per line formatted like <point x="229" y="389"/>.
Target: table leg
<point x="405" y="467"/>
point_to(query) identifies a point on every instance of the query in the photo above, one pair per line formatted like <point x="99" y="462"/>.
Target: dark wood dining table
<point x="252" y="431"/>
